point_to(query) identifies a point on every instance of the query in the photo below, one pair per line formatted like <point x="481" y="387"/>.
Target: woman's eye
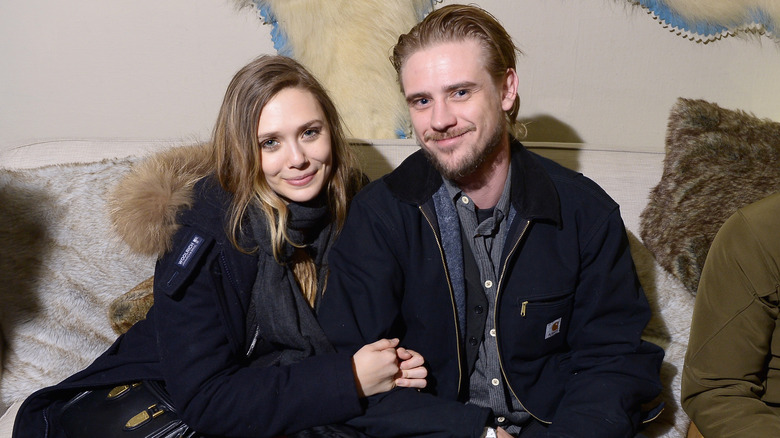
<point x="311" y="132"/>
<point x="269" y="144"/>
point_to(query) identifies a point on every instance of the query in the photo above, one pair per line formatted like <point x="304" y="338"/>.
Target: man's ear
<point x="509" y="89"/>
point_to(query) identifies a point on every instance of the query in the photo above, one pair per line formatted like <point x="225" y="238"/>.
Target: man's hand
<point x="412" y="372"/>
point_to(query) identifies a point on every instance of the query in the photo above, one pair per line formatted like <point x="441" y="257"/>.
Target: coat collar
<point x="533" y="196"/>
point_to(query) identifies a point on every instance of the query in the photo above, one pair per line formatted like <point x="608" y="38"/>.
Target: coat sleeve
<point x="363" y="303"/>
<point x="735" y="314"/>
<point x="200" y="339"/>
<point x="613" y="371"/>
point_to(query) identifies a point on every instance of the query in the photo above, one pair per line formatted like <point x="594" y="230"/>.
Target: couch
<point x="62" y="266"/>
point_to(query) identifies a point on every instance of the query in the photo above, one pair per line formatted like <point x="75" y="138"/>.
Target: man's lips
<point x="442" y="137"/>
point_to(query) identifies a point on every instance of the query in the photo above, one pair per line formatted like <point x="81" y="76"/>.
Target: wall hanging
<point x="347" y="45"/>
<point x="705" y="21"/>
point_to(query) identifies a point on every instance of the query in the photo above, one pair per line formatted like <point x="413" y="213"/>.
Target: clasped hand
<point x="382" y="365"/>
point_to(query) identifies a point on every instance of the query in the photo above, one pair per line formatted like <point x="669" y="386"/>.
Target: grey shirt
<point x="486" y="234"/>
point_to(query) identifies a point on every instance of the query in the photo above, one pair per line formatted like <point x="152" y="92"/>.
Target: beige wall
<point x="598" y="72"/>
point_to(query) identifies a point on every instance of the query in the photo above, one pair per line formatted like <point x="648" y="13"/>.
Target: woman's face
<point x="295" y="147"/>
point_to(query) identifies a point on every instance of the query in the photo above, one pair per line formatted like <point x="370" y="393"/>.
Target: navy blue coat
<point x="194" y="339"/>
<point x="566" y="259"/>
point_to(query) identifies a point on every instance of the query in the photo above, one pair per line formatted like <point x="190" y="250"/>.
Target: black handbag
<point x="135" y="410"/>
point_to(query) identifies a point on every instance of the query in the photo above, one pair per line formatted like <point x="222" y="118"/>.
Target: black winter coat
<point x="570" y="310"/>
<point x="194" y="339"/>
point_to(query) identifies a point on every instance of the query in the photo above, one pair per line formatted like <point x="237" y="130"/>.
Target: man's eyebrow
<point x="459" y="86"/>
<point x="448" y="89"/>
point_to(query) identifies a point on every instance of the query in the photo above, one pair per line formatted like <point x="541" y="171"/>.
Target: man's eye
<point x="420" y="102"/>
<point x="461" y="93"/>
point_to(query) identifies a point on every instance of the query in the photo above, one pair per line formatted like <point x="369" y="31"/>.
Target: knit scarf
<point x="279" y="313"/>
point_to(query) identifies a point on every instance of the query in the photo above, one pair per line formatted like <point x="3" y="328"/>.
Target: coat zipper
<point x="522" y="312"/>
<point x="452" y="295"/>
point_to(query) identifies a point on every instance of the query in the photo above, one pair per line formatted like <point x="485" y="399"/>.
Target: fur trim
<point x="144" y="205"/>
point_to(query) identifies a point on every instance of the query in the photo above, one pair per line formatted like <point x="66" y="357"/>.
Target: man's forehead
<point x="443" y="65"/>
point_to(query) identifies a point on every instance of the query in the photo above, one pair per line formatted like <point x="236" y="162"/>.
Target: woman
<point x="232" y="333"/>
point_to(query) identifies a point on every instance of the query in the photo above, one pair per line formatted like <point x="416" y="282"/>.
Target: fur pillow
<point x="717" y="160"/>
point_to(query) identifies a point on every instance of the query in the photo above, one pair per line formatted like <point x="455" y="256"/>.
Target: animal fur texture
<point x="61" y="265"/>
<point x="717" y="160"/>
<point x="726" y="12"/>
<point x="346" y="44"/>
<point x="669" y="328"/>
<point x="710" y="20"/>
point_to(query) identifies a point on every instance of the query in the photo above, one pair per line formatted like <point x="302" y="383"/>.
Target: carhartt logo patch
<point x="553" y="329"/>
<point x="190" y="251"/>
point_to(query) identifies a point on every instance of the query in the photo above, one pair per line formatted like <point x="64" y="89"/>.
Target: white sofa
<point x="53" y="321"/>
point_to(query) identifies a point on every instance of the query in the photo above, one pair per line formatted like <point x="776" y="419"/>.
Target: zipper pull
<point x="522" y="308"/>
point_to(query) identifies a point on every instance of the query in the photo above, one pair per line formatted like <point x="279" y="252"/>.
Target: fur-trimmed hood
<point x="144" y="204"/>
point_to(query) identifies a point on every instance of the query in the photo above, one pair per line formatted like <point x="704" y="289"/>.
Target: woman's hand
<point x="375" y="367"/>
<point x="411" y="373"/>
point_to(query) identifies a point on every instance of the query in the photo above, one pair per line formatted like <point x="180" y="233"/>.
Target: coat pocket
<point x="540" y="324"/>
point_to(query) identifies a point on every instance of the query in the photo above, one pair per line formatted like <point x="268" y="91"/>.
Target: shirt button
<point x="493" y="332"/>
<point x="473" y="341"/>
<point x="478" y="309"/>
<point x="464" y="199"/>
<point x="500" y="419"/>
<point x="495" y="382"/>
<point x="488" y="284"/>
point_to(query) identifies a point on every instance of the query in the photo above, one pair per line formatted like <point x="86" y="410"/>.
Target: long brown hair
<point x="238" y="159"/>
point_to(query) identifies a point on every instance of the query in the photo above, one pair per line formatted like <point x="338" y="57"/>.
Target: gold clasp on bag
<point x="119" y="391"/>
<point x="144" y="417"/>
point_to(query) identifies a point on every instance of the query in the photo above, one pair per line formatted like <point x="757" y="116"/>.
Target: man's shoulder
<point x="575" y="187"/>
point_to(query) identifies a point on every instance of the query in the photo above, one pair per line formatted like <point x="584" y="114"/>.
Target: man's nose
<point x="442" y="117"/>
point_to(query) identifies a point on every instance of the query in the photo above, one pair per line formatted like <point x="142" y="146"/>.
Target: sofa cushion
<point x="60" y="267"/>
<point x="717" y="160"/>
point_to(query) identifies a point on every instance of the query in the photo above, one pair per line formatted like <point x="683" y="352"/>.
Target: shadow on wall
<point x="549" y="129"/>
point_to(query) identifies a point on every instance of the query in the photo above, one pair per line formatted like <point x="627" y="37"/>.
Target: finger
<point x="384" y="344"/>
<point x="411" y="383"/>
<point x="416" y="360"/>
<point x="414" y="373"/>
<point x="403" y="353"/>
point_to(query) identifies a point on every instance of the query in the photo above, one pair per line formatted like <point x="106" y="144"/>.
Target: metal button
<point x="495" y="382"/>
<point x="473" y="341"/>
<point x="488" y="284"/>
<point x="478" y="309"/>
<point x="493" y="332"/>
<point x="464" y="199"/>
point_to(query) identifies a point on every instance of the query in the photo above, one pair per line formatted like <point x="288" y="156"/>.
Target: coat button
<point x="478" y="309"/>
<point x="473" y="341"/>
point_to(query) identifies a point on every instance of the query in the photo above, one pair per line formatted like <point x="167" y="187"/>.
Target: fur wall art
<point x="709" y="20"/>
<point x="347" y="45"/>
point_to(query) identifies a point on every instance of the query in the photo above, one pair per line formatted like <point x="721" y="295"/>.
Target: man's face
<point x="456" y="107"/>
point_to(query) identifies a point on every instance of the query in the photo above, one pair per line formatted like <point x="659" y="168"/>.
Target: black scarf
<point x="279" y="313"/>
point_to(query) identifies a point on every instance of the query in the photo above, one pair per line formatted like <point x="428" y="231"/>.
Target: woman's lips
<point x="301" y="180"/>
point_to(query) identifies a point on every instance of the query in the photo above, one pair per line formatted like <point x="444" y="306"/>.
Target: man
<point x="730" y="380"/>
<point x="510" y="274"/>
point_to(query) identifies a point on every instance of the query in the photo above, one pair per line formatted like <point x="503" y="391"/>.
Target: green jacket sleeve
<point x="731" y="376"/>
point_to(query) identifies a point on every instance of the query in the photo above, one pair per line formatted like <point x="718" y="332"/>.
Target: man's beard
<point x="471" y="162"/>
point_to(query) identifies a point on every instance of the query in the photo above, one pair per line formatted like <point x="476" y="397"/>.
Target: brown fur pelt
<point x="143" y="210"/>
<point x="144" y="205"/>
<point x="717" y="160"/>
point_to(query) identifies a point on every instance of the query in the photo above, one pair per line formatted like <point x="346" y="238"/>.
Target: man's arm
<point x="363" y="302"/>
<point x="731" y="334"/>
<point x="614" y="371"/>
